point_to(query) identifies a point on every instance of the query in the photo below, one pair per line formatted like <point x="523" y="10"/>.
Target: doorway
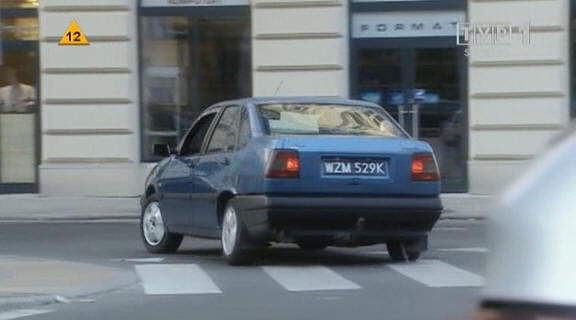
<point x="424" y="89"/>
<point x="189" y="63"/>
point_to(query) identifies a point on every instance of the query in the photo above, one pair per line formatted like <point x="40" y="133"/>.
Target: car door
<point x="215" y="172"/>
<point x="177" y="183"/>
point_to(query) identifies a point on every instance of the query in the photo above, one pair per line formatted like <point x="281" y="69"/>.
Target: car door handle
<point x="225" y="161"/>
<point x="190" y="164"/>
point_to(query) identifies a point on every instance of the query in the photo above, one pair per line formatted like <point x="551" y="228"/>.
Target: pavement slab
<point x="37" y="281"/>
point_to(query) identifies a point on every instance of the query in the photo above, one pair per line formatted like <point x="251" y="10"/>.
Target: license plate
<point x="355" y="167"/>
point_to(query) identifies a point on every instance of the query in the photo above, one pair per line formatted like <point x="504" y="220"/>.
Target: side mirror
<point x="161" y="150"/>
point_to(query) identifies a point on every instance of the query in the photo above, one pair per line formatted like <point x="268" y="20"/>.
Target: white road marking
<point x="141" y="260"/>
<point x="376" y="252"/>
<point x="478" y="250"/>
<point x="15" y="314"/>
<point x="309" y="278"/>
<point x="175" y="279"/>
<point x="438" y="274"/>
<point x="450" y="229"/>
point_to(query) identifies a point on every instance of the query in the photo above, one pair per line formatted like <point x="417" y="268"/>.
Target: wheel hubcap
<point x="152" y="224"/>
<point x="229" y="230"/>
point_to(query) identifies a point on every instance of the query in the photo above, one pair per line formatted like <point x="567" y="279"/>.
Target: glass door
<point x="423" y="89"/>
<point x="438" y="101"/>
<point x="188" y="64"/>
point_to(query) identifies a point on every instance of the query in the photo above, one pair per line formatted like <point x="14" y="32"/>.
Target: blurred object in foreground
<point x="491" y="314"/>
<point x="531" y="272"/>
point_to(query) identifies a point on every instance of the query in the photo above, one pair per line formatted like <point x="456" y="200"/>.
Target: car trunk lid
<point x="353" y="165"/>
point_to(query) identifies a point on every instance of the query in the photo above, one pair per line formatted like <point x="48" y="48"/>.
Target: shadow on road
<point x="290" y="256"/>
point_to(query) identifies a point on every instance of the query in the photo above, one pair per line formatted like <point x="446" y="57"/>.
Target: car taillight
<point x="283" y="164"/>
<point x="424" y="167"/>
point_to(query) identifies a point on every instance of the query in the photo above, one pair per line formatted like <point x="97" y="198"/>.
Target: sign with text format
<point x="73" y="36"/>
<point x="408" y="24"/>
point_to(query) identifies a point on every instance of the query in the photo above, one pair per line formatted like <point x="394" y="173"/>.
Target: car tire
<point x="413" y="255"/>
<point x="396" y="251"/>
<point x="233" y="237"/>
<point x="153" y="230"/>
<point x="399" y="252"/>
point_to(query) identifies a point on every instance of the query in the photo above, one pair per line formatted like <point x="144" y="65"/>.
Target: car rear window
<point x="327" y="119"/>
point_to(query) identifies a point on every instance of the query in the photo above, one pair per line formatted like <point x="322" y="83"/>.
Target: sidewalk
<point x="32" y="207"/>
<point x="34" y="281"/>
<point x="35" y="207"/>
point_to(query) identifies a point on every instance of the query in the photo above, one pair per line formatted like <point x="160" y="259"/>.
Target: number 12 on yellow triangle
<point x="73" y="36"/>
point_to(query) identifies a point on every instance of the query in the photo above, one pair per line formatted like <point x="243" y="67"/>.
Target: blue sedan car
<point x="317" y="172"/>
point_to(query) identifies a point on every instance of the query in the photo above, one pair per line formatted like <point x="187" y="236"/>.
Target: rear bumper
<point x="338" y="220"/>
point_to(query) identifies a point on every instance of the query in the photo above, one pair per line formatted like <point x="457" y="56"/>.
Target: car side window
<point x="193" y="143"/>
<point x="224" y="136"/>
<point x="244" y="132"/>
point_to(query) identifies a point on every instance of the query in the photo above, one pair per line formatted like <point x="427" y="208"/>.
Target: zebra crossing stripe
<point x="141" y="260"/>
<point x="475" y="250"/>
<point x="175" y="279"/>
<point x="309" y="278"/>
<point x="438" y="274"/>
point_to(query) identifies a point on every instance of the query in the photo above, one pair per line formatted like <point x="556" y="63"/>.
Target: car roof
<point x="311" y="100"/>
<point x="532" y="234"/>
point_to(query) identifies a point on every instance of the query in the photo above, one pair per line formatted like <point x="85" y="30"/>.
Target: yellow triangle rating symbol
<point x="73" y="36"/>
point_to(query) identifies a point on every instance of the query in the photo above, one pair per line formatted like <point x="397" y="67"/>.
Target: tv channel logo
<point x="491" y="34"/>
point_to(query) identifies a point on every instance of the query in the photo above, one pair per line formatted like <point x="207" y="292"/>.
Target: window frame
<point x="244" y="113"/>
<point x="215" y="124"/>
<point x="20" y="45"/>
<point x="216" y="111"/>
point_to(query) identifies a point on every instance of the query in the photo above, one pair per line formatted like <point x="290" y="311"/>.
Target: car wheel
<point x="309" y="245"/>
<point x="396" y="251"/>
<point x="155" y="234"/>
<point x="400" y="252"/>
<point x="233" y="237"/>
<point x="413" y="255"/>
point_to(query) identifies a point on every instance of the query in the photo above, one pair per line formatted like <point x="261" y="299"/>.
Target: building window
<point x="18" y="96"/>
<point x="189" y="63"/>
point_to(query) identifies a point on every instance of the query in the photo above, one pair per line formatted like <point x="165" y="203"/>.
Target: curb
<point x="25" y="301"/>
<point x="19" y="302"/>
<point x="448" y="213"/>
<point x="64" y="219"/>
<point x="132" y="219"/>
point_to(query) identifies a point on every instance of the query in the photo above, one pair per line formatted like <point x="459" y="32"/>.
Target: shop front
<point x="153" y="65"/>
<point x="405" y="58"/>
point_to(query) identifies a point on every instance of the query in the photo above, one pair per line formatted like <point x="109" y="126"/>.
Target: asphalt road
<point x="283" y="283"/>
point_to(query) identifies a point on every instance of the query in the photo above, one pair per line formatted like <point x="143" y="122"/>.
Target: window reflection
<point x="187" y="65"/>
<point x="16" y="96"/>
<point x="19" y="28"/>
